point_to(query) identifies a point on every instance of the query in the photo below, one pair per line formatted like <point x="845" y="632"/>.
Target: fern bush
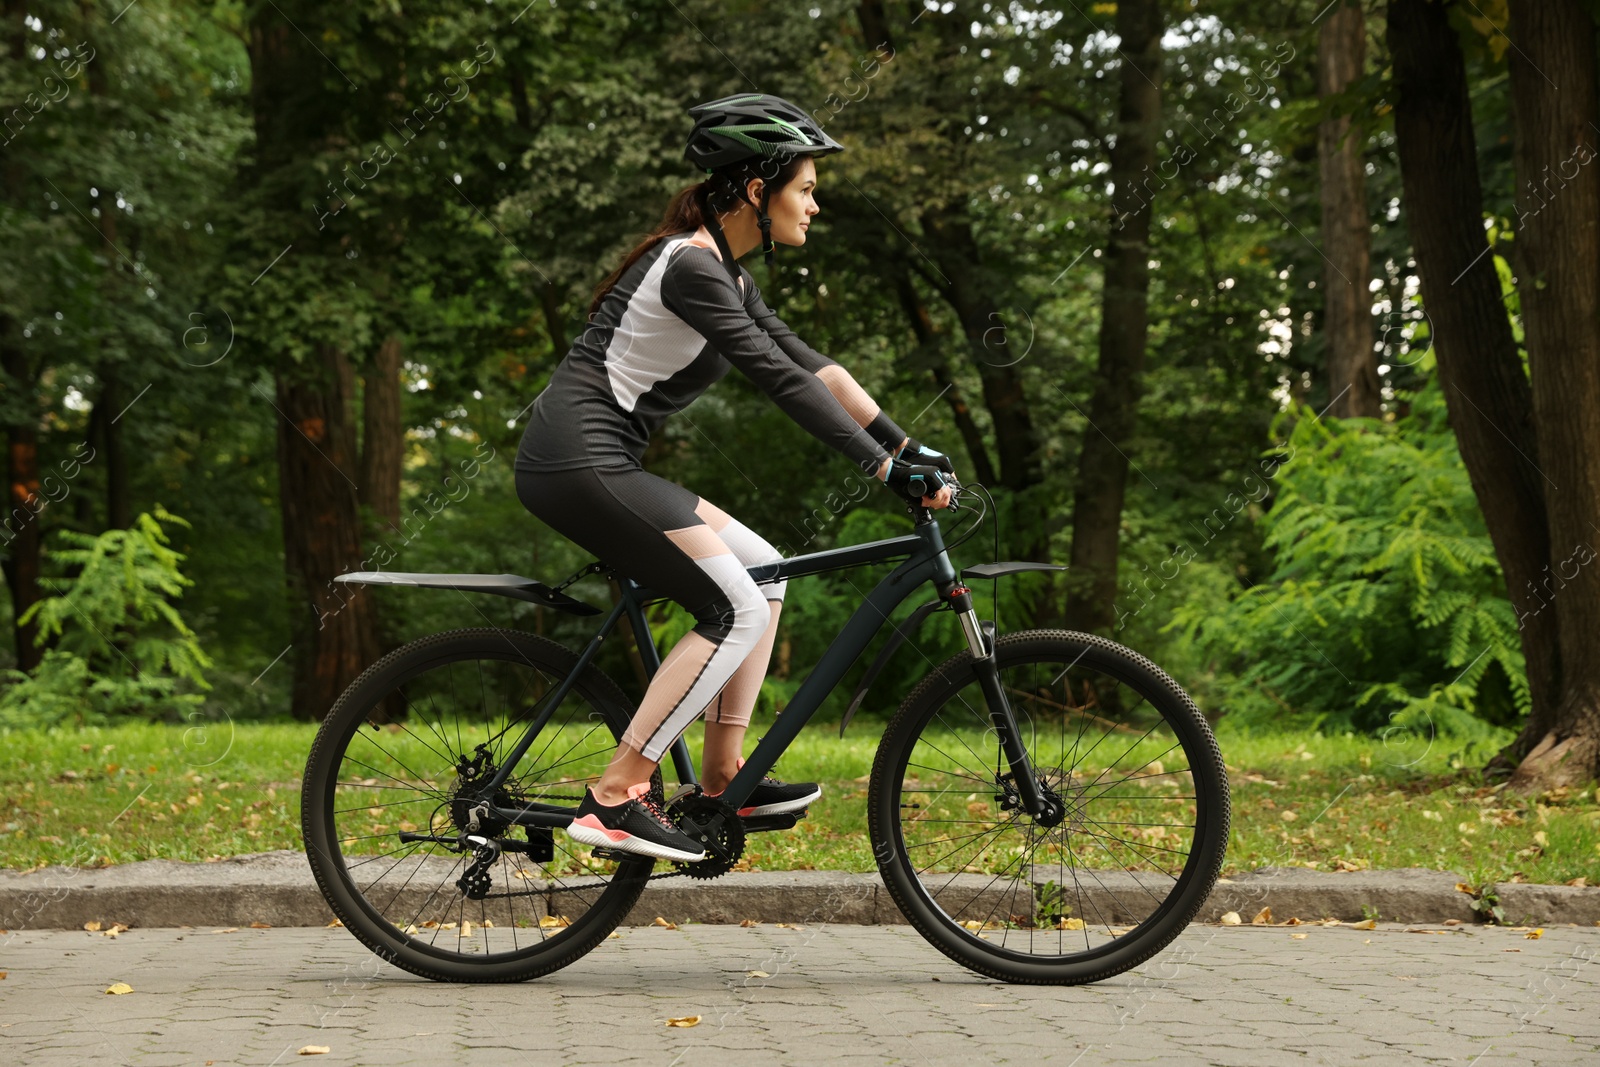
<point x="1385" y="608"/>
<point x="119" y="645"/>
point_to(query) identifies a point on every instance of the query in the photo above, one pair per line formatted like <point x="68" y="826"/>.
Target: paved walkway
<point x="867" y="995"/>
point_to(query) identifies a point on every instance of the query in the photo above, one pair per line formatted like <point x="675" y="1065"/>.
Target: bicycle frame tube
<point x="927" y="562"/>
<point x="681" y="760"/>
<point x="554" y="698"/>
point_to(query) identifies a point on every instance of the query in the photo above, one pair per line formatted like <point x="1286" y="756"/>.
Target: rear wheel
<point x="1133" y="856"/>
<point x="388" y="792"/>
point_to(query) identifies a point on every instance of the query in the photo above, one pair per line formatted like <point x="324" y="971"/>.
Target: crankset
<point x="716" y="826"/>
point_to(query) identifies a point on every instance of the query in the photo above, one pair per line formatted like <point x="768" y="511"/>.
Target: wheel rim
<point x="1132" y="832"/>
<point x="411" y="764"/>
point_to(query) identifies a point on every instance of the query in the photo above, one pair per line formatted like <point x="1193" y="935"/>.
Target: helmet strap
<point x="766" y="228"/>
<point x="718" y="236"/>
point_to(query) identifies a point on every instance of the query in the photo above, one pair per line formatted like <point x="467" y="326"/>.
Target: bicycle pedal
<point x="600" y="852"/>
<point x="683" y="790"/>
<point x="756" y="824"/>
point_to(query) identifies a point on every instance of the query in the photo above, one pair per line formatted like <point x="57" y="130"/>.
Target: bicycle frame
<point x="926" y="560"/>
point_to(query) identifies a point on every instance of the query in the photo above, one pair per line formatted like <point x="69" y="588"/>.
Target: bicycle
<point x="1003" y="827"/>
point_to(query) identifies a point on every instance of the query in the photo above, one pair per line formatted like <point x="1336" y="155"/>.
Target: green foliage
<point x="121" y="648"/>
<point x="1385" y="608"/>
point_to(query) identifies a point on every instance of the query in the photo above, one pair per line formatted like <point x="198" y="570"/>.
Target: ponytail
<point x="687" y="211"/>
<point x="685" y="214"/>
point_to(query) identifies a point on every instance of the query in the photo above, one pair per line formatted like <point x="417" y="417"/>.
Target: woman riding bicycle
<point x="663" y="328"/>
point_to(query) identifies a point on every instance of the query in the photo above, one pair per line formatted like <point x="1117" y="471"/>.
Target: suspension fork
<point x="980" y="640"/>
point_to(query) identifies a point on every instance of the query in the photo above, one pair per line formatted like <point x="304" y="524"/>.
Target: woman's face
<point x="792" y="207"/>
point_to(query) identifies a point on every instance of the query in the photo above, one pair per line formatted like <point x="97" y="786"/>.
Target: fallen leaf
<point x="1263" y="918"/>
<point x="548" y="922"/>
<point x="1070" y="924"/>
<point x="2" y="976"/>
<point x="335" y="923"/>
<point x="1291" y="921"/>
<point x="487" y="924"/>
<point x="1230" y="918"/>
<point x="673" y="926"/>
<point x="613" y="936"/>
<point x="1462" y="887"/>
<point x="757" y="974"/>
<point x="411" y="928"/>
<point x="747" y="923"/>
<point x="92" y="925"/>
<point x="229" y="930"/>
<point x="119" y="988"/>
<point x="1534" y="935"/>
<point x="1288" y="816"/>
<point x="1452" y="922"/>
<point x="1365" y="924"/>
<point x="1580" y="882"/>
<point x="315" y="1050"/>
<point x="789" y="926"/>
<point x="262" y="926"/>
<point x="1299" y="937"/>
<point x="686" y="1021"/>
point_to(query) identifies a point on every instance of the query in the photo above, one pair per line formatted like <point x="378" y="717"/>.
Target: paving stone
<point x="843" y="994"/>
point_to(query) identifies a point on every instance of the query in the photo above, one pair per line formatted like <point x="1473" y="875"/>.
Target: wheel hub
<point x="470" y="810"/>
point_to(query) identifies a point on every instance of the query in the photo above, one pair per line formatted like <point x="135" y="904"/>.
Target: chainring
<point x="697" y="814"/>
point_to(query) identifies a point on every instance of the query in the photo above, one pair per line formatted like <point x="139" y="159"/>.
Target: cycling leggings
<point x="666" y="538"/>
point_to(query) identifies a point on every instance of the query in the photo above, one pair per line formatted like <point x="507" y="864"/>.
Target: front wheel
<point x="1129" y="859"/>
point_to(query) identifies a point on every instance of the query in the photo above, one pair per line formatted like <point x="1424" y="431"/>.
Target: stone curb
<point x="277" y="888"/>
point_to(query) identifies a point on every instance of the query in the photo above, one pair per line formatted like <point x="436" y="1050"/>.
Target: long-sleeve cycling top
<point x="670" y="328"/>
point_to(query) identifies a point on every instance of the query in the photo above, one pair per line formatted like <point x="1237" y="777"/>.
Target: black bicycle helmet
<point x="742" y="128"/>
<point x="752" y="126"/>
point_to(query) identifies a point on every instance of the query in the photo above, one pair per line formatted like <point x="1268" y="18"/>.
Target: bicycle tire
<point x="367" y="702"/>
<point x="926" y="902"/>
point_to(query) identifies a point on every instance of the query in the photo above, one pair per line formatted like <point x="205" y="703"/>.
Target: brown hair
<point x="687" y="210"/>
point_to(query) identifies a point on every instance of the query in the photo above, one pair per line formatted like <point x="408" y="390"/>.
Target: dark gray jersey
<point x="669" y="329"/>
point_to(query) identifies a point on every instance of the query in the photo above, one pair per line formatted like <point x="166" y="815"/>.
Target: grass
<point x="100" y="796"/>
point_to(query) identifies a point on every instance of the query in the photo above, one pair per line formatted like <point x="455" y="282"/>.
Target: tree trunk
<point x="874" y="24"/>
<point x="20" y="524"/>
<point x="1487" y="393"/>
<point x="334" y="629"/>
<point x="334" y="634"/>
<point x="928" y="346"/>
<point x="995" y="352"/>
<point x="382" y="435"/>
<point x="1558" y="245"/>
<point x="555" y="323"/>
<point x="119" y="504"/>
<point x="1353" y="389"/>
<point x="1124" y="312"/>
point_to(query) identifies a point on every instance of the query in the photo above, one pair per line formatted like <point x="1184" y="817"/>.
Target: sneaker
<point x="773" y="797"/>
<point x="637" y="825"/>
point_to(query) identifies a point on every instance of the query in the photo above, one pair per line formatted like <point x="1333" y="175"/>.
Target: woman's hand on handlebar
<point x="920" y="483"/>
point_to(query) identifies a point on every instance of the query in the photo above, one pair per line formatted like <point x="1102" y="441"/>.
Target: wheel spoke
<point x="1106" y="862"/>
<point x="461" y="709"/>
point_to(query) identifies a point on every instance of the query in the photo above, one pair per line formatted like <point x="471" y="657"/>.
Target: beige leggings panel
<point x="721" y="678"/>
<point x="737" y="700"/>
